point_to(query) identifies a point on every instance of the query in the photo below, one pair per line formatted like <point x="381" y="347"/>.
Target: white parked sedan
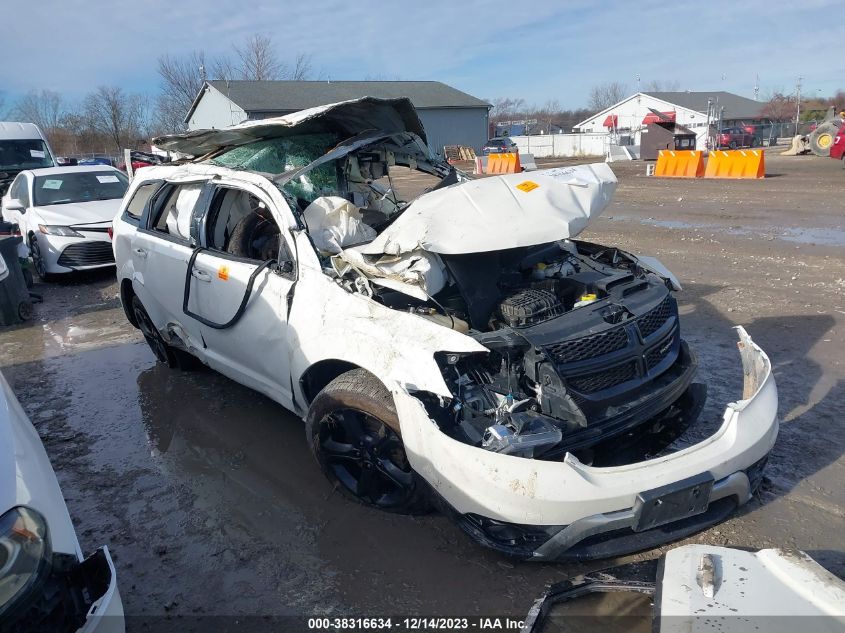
<point x="46" y="583"/>
<point x="458" y="347"/>
<point x="65" y="215"/>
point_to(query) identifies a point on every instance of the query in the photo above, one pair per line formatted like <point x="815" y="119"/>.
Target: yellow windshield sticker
<point x="223" y="273"/>
<point x="527" y="185"/>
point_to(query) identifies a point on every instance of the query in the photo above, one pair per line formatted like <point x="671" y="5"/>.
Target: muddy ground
<point x="211" y="503"/>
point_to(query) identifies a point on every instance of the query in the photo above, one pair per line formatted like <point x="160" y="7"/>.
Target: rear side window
<point x="174" y="209"/>
<point x="135" y="208"/>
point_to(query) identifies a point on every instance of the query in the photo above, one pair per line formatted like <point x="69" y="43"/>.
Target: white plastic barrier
<point x="562" y="145"/>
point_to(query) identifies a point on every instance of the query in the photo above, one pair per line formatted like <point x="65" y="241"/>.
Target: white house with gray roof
<point x="688" y="109"/>
<point x="450" y="117"/>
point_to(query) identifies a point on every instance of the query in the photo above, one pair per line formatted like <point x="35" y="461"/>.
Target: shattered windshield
<point x="282" y="155"/>
<point x="277" y="155"/>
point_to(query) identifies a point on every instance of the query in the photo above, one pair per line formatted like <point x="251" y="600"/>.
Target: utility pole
<point x="756" y="87"/>
<point x="797" y="103"/>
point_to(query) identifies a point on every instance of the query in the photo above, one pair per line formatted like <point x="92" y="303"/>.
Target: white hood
<point x="500" y="212"/>
<point x="75" y="213"/>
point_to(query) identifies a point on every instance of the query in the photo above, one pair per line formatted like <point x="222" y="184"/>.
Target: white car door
<point x="161" y="248"/>
<point x="238" y="296"/>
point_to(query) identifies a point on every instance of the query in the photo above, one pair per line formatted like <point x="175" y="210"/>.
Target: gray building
<point x="450" y="117"/>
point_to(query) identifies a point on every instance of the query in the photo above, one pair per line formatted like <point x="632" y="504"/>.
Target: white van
<point x="22" y="146"/>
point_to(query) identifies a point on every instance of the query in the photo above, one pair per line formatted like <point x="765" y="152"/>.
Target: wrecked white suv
<point x="454" y="346"/>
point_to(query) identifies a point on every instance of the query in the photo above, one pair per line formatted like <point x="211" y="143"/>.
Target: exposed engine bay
<point x="584" y="345"/>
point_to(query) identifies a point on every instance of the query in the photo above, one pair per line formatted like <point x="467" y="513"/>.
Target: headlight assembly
<point x="61" y="231"/>
<point x="24" y="553"/>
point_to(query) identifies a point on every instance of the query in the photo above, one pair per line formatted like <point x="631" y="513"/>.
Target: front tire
<point x="353" y="430"/>
<point x="38" y="260"/>
<point x="821" y="139"/>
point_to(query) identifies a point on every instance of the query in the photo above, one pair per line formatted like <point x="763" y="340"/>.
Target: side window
<point x="173" y="209"/>
<point x="240" y="224"/>
<point x="135" y="208"/>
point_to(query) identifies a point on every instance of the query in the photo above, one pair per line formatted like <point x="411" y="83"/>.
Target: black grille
<point x="657" y="353"/>
<point x="590" y="383"/>
<point x="589" y="346"/>
<point x="651" y="321"/>
<point x="87" y="254"/>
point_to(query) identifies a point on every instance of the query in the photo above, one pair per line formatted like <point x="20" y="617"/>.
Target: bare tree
<point x="301" y="69"/>
<point x="181" y="81"/>
<point x="43" y="108"/>
<point x="658" y="85"/>
<point x="224" y="68"/>
<point x="549" y="113"/>
<point x="779" y="107"/>
<point x="607" y="94"/>
<point x="118" y="116"/>
<point x="506" y="108"/>
<point x="257" y="59"/>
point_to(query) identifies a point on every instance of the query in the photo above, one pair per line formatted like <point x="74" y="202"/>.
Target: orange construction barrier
<point x="738" y="163"/>
<point x="503" y="164"/>
<point x="679" y="164"/>
<point x="493" y="163"/>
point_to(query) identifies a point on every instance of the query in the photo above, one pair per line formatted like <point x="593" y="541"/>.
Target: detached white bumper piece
<point x="545" y="510"/>
<point x="778" y="591"/>
<point x="703" y="588"/>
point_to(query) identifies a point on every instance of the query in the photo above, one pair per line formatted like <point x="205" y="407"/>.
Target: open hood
<point x="347" y="118"/>
<point x="500" y="212"/>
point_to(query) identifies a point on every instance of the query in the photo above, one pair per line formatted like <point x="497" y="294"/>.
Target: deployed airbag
<point x="335" y="223"/>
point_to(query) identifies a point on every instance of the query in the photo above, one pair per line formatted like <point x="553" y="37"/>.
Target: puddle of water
<point x="825" y="237"/>
<point x="808" y="235"/>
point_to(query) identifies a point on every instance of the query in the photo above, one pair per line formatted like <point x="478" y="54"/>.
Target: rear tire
<point x="165" y="353"/>
<point x="821" y="139"/>
<point x="353" y="431"/>
<point x="732" y="145"/>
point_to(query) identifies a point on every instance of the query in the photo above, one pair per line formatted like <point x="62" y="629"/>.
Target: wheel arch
<point x="320" y="374"/>
<point x="126" y="294"/>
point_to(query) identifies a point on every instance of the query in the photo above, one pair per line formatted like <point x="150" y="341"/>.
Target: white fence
<point x="562" y="145"/>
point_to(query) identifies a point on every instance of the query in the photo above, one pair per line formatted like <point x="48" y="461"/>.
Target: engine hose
<point x="241" y="307"/>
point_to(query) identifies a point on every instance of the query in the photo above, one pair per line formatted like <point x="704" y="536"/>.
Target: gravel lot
<point x="212" y="504"/>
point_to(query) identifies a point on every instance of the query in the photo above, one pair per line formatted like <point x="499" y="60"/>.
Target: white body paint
<point x="323" y="321"/>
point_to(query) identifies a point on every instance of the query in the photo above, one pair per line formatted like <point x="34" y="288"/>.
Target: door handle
<point x="201" y="275"/>
<point x="140" y="252"/>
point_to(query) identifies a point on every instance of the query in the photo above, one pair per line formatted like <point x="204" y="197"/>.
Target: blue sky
<point x="490" y="48"/>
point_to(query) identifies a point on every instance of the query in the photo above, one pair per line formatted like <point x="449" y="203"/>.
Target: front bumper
<point x="77" y="596"/>
<point x="589" y="511"/>
<point x="106" y="614"/>
<point x="67" y="254"/>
